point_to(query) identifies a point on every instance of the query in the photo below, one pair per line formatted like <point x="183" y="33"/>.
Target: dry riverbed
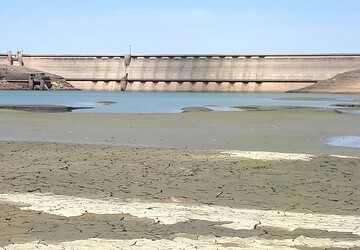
<point x="252" y="179"/>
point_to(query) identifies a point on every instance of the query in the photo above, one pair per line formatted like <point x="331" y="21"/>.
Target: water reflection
<point x="345" y="141"/>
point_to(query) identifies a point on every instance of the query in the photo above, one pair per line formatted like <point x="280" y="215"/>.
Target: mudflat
<point x="205" y="180"/>
<point x="281" y="129"/>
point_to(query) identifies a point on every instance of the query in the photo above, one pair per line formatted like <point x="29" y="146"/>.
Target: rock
<point x="195" y="109"/>
<point x="106" y="102"/>
<point x="4" y="85"/>
<point x="62" y="85"/>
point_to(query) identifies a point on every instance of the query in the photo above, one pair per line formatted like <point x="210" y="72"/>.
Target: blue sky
<point x="180" y="26"/>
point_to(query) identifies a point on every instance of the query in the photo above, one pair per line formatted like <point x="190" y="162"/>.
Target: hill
<point x="344" y="83"/>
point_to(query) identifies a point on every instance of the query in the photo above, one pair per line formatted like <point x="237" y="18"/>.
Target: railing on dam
<point x="186" y="56"/>
<point x="171" y="56"/>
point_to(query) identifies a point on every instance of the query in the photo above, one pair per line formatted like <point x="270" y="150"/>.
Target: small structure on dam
<point x="217" y="73"/>
<point x="25" y="78"/>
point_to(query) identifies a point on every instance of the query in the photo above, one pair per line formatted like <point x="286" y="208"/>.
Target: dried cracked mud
<point x="289" y="204"/>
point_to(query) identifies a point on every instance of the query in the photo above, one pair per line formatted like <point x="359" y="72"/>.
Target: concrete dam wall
<point x="223" y="73"/>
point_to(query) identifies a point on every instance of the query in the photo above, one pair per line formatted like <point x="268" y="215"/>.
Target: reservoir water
<point x="345" y="141"/>
<point x="169" y="102"/>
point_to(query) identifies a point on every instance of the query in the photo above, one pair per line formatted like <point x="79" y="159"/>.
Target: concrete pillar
<point x="10" y="59"/>
<point x="127" y="60"/>
<point x="123" y="84"/>
<point x="20" y="58"/>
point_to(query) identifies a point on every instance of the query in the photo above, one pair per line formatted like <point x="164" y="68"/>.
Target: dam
<point x="202" y="73"/>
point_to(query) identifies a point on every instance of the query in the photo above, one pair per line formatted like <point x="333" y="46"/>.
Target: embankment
<point x="348" y="82"/>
